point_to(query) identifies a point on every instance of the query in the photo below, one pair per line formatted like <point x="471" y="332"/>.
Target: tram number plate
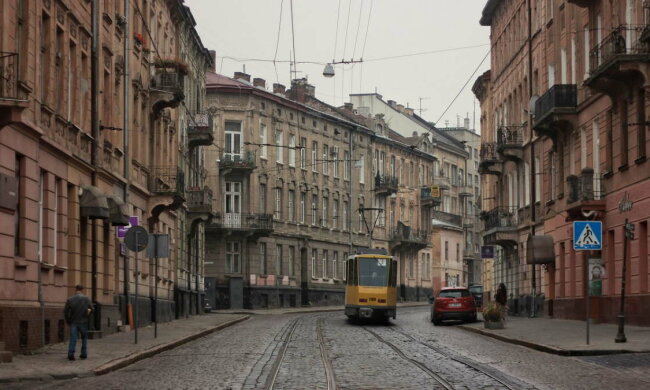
<point x="454" y="305"/>
<point x="381" y="262"/>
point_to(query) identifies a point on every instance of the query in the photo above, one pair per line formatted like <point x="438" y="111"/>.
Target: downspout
<point x="94" y="101"/>
<point x="125" y="142"/>
<point x="532" y="150"/>
<point x="41" y="302"/>
<point x="348" y="222"/>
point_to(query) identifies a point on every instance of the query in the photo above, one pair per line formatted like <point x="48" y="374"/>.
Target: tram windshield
<point x="373" y="272"/>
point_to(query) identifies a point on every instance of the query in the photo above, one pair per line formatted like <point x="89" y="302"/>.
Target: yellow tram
<point x="371" y="285"/>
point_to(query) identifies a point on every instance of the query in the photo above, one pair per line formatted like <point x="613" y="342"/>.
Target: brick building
<point x="589" y="116"/>
<point x="66" y="168"/>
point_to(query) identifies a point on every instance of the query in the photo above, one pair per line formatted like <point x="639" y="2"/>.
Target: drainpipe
<point x="125" y="142"/>
<point x="41" y="302"/>
<point x="532" y="150"/>
<point x="94" y="94"/>
<point x="349" y="210"/>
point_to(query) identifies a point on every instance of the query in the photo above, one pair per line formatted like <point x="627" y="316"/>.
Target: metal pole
<point x="135" y="320"/>
<point x="532" y="151"/>
<point x="587" y="293"/>
<point x="125" y="141"/>
<point x="620" y="336"/>
<point x="155" y="286"/>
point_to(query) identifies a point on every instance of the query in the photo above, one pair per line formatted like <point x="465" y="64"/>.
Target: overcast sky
<point x="447" y="30"/>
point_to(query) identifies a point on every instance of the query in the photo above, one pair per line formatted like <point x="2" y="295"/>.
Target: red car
<point x="453" y="303"/>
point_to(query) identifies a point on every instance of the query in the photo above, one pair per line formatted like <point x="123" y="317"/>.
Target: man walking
<point x="76" y="313"/>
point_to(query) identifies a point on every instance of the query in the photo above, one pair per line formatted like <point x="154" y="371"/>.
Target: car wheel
<point x="437" y="322"/>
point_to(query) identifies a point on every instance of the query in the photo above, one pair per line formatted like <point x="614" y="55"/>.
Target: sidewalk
<point x="308" y="309"/>
<point x="566" y="337"/>
<point x="113" y="351"/>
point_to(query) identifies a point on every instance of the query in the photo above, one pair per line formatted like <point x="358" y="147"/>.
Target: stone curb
<point x="306" y="311"/>
<point x="125" y="361"/>
<point x="547" y="348"/>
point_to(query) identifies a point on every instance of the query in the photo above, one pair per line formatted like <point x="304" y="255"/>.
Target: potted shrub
<point x="493" y="316"/>
<point x="175" y="65"/>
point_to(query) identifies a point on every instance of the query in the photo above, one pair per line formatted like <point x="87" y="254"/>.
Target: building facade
<point x="588" y="116"/>
<point x="74" y="167"/>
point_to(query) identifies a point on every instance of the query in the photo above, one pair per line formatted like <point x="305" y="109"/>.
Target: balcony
<point x="237" y="163"/>
<point x="555" y="111"/>
<point x="167" y="181"/>
<point x="586" y="195"/>
<point x="200" y="131"/>
<point x="404" y="237"/>
<point x="453" y="219"/>
<point x="468" y="221"/>
<point x="465" y="191"/>
<point x="166" y="90"/>
<point x="501" y="226"/>
<point x="443" y="182"/>
<point x="199" y="200"/>
<point x="250" y="225"/>
<point x="490" y="163"/>
<point x="386" y="184"/>
<point x="510" y="142"/>
<point x="9" y="77"/>
<point x="430" y="196"/>
<point x="580" y="3"/>
<point x="619" y="58"/>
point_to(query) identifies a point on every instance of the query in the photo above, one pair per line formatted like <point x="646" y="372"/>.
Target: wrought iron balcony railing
<point x="167" y="180"/>
<point x="406" y="234"/>
<point x="489" y="152"/>
<point x="243" y="221"/>
<point x="8" y="75"/>
<point x="199" y="200"/>
<point x="243" y="160"/>
<point x="501" y="217"/>
<point x="200" y="130"/>
<point x="510" y="136"/>
<point x="386" y="184"/>
<point x="559" y="96"/>
<point x="625" y="40"/>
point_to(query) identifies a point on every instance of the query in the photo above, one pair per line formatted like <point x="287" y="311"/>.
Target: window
<point x="382" y="159"/>
<point x="17" y="213"/>
<point x="278" y="147"/>
<point x="232" y="200"/>
<point x="278" y="260"/>
<point x="292" y="150"/>
<point x="361" y="223"/>
<point x="457" y="252"/>
<point x="292" y="261"/>
<point x="381" y="204"/>
<point x="233" y="141"/>
<point x="335" y="214"/>
<point x="325" y="160"/>
<point x="314" y="209"/>
<point x="335" y="160"/>
<point x="263" y="263"/>
<point x="335" y="265"/>
<point x="314" y="154"/>
<point x="446" y="250"/>
<point x="314" y="263"/>
<point x="325" y="261"/>
<point x="290" y="202"/>
<point x="277" y="213"/>
<point x="232" y="257"/>
<point x="344" y="220"/>
<point x="362" y="170"/>
<point x="346" y="165"/>
<point x="343" y="265"/>
<point x="303" y="152"/>
<point x="262" y="206"/>
<point x="324" y="215"/>
<point x="303" y="199"/>
<point x="392" y="166"/>
<point x="263" y="140"/>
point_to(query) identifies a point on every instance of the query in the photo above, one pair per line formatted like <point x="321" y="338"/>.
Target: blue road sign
<point x="587" y="235"/>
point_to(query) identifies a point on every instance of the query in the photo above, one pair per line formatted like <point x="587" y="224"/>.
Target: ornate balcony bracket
<point x="555" y="112"/>
<point x="491" y="163"/>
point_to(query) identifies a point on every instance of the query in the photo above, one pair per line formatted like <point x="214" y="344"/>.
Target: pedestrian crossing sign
<point x="587" y="235"/>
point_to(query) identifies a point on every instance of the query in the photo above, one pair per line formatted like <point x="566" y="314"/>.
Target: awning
<point x="540" y="250"/>
<point x="117" y="211"/>
<point x="93" y="203"/>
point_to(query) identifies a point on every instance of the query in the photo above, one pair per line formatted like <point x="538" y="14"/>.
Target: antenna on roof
<point x="421" y="110"/>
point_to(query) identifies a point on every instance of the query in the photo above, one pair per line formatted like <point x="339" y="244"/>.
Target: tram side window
<point x="393" y="273"/>
<point x="352" y="277"/>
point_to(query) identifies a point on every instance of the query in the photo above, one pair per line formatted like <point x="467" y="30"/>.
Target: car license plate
<point x="454" y="305"/>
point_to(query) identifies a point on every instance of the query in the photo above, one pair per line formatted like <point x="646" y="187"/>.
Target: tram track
<point x="275" y="369"/>
<point x="457" y="359"/>
<point x="327" y="362"/>
<point x="415" y="362"/>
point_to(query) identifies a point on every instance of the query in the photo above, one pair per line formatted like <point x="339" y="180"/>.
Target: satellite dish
<point x="532" y="103"/>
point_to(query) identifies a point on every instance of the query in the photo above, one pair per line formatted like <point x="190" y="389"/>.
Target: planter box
<point x="493" y="324"/>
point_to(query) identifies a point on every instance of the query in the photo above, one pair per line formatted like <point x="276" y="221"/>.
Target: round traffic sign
<point x="136" y="238"/>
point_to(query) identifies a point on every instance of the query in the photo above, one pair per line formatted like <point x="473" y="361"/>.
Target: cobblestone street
<point x="324" y="350"/>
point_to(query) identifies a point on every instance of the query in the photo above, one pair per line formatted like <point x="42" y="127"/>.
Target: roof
<point x="488" y="12"/>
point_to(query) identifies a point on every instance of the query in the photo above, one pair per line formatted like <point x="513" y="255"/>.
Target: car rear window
<point x="453" y="293"/>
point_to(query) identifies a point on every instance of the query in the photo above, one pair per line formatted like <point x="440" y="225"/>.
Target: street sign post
<point x="136" y="239"/>
<point x="587" y="235"/>
<point x="159" y="248"/>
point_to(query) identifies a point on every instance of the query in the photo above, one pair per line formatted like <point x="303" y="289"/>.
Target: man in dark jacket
<point x="77" y="312"/>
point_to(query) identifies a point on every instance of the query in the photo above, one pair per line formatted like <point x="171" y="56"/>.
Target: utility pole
<point x="125" y="141"/>
<point x="94" y="113"/>
<point x="532" y="151"/>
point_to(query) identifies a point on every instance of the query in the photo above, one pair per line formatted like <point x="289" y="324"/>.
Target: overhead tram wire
<point x="471" y="77"/>
<point x="336" y="40"/>
<point x="365" y="40"/>
<point x="277" y="43"/>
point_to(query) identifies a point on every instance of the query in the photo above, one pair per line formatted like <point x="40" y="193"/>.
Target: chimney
<point x="300" y="90"/>
<point x="392" y="103"/>
<point x="408" y="111"/>
<point x="243" y="76"/>
<point x="466" y="123"/>
<point x="415" y="134"/>
<point x="278" y="88"/>
<point x="258" y="82"/>
<point x="348" y="107"/>
<point x="400" y="107"/>
<point x="213" y="54"/>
